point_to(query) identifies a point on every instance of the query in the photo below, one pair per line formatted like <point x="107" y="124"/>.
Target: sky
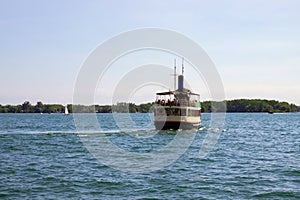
<point x="255" y="45"/>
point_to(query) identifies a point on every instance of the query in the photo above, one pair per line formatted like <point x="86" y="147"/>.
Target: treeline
<point x="239" y="105"/>
<point x="118" y="108"/>
<point x="249" y="105"/>
<point x="39" y="107"/>
<point x="26" y="107"/>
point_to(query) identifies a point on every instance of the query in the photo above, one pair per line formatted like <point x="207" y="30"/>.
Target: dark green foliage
<point x="39" y="108"/>
<point x="239" y="105"/>
<point x="121" y="107"/>
<point x="252" y="105"/>
<point x="206" y="106"/>
<point x="53" y="108"/>
<point x="26" y="107"/>
<point x="144" y="108"/>
<point x="81" y="109"/>
<point x="132" y="108"/>
<point x="103" y="109"/>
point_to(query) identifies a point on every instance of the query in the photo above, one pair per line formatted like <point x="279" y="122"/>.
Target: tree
<point x="39" y="107"/>
<point x="26" y="107"/>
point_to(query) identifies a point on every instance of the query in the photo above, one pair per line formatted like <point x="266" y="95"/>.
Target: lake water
<point x="256" y="156"/>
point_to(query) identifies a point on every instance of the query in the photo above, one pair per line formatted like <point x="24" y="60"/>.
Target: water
<point x="257" y="156"/>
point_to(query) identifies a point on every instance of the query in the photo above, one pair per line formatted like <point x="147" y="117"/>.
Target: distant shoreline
<point x="238" y="105"/>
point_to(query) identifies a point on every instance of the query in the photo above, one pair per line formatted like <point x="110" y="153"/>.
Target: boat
<point x="177" y="109"/>
<point x="66" y="110"/>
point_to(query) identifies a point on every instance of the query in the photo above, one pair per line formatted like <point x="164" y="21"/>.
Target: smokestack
<point x="180" y="82"/>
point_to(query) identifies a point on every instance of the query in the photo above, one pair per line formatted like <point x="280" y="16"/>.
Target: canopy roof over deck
<point x="184" y="90"/>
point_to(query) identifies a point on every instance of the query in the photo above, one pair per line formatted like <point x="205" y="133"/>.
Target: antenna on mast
<point x="182" y="67"/>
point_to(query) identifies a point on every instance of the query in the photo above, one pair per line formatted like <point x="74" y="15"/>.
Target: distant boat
<point x="66" y="111"/>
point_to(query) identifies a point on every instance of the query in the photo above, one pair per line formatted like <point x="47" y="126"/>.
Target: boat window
<point x="176" y="111"/>
<point x="172" y="111"/>
<point x="194" y="112"/>
<point x="183" y="112"/>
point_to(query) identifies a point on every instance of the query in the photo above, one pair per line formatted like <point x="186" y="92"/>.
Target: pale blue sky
<point x="255" y="45"/>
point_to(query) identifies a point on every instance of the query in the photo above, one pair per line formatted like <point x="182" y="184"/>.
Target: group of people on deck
<point x="176" y="102"/>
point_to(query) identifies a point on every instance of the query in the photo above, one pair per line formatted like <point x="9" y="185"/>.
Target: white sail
<point x="66" y="110"/>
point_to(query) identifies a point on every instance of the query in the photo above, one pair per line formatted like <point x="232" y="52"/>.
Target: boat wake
<point x="132" y="132"/>
<point x="212" y="129"/>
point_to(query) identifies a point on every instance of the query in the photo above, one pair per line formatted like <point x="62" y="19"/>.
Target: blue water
<point x="256" y="157"/>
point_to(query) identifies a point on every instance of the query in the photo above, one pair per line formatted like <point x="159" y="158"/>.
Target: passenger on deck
<point x="173" y="102"/>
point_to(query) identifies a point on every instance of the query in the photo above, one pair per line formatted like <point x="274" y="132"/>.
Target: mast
<point x="175" y="74"/>
<point x="182" y="67"/>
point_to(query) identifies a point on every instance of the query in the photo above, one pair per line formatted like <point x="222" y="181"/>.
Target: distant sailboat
<point x="66" y="110"/>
